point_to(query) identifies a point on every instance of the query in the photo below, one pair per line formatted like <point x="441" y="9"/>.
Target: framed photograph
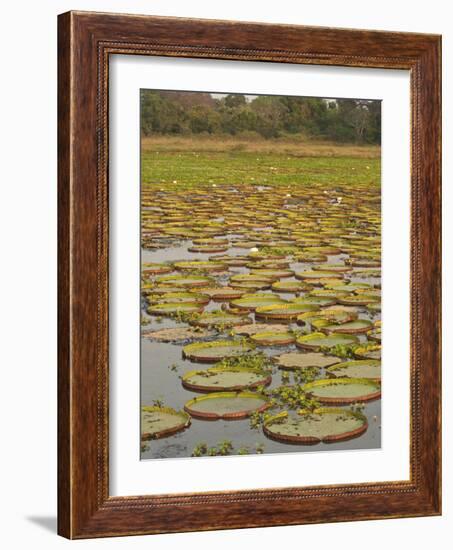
<point x="249" y="275"/>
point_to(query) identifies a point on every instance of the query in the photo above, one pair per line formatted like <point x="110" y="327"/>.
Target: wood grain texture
<point x="85" y="42"/>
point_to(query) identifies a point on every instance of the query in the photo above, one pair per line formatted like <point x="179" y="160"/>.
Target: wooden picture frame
<point x="85" y="41"/>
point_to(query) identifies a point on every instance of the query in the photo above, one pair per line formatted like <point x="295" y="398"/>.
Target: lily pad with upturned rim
<point x="273" y="338"/>
<point x="359" y="326"/>
<point x="225" y="379"/>
<point x="177" y="334"/>
<point x="297" y="360"/>
<point x="254" y="328"/>
<point x="226" y="405"/>
<point x="158" y="422"/>
<point x="327" y="425"/>
<point x="317" y="340"/>
<point x="250" y="302"/>
<point x="219" y="318"/>
<point x="211" y="352"/>
<point x="286" y="311"/>
<point x="290" y="287"/>
<point x="343" y="391"/>
<point x="366" y="368"/>
<point x="184" y="280"/>
<point x="173" y="308"/>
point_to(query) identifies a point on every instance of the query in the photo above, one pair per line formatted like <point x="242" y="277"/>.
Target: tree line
<point x="186" y="113"/>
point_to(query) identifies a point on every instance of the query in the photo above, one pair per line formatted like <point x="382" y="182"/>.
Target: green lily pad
<point x="318" y="275"/>
<point x="225" y="379"/>
<point x="193" y="265"/>
<point x="273" y="338"/>
<point x="318" y="301"/>
<point x="255" y="328"/>
<point x="173" y="308"/>
<point x="273" y="274"/>
<point x="317" y="340"/>
<point x="285" y="311"/>
<point x="359" y="300"/>
<point x="359" y="326"/>
<point x="184" y="281"/>
<point x="327" y="425"/>
<point x="219" y="318"/>
<point x="368" y="352"/>
<point x="156" y="269"/>
<point x="250" y="302"/>
<point x="157" y="422"/>
<point x="226" y="405"/>
<point x="341" y="391"/>
<point x="184" y="297"/>
<point x="291" y="287"/>
<point x="211" y="352"/>
<point x="177" y="334"/>
<point x="297" y="360"/>
<point x="367" y="368"/>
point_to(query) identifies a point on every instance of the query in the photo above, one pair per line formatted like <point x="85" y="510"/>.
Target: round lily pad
<point x="156" y="269"/>
<point x="298" y="360"/>
<point x="219" y="318"/>
<point x="184" y="297"/>
<point x="290" y="287"/>
<point x="285" y="311"/>
<point x="327" y="425"/>
<point x="317" y="340"/>
<point x="160" y="422"/>
<point x="359" y="326"/>
<point x="254" y="328"/>
<point x="272" y="338"/>
<point x="222" y="293"/>
<point x="368" y="352"/>
<point x="273" y="274"/>
<point x="341" y="391"/>
<point x="318" y="301"/>
<point x="177" y="334"/>
<point x="318" y="275"/>
<point x="199" y="265"/>
<point x="250" y="302"/>
<point x="359" y="300"/>
<point x="184" y="281"/>
<point x="211" y="352"/>
<point x="225" y="379"/>
<point x="367" y="368"/>
<point x="226" y="405"/>
<point x="173" y="308"/>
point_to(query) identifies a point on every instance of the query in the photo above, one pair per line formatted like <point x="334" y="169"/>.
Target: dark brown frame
<point x="85" y="41"/>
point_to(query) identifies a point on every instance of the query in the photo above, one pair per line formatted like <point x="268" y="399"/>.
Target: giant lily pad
<point x="318" y="275"/>
<point x="359" y="326"/>
<point x="327" y="425"/>
<point x="156" y="269"/>
<point x="195" y="265"/>
<point x="184" y="280"/>
<point x="285" y="311"/>
<point x="298" y="360"/>
<point x="317" y="340"/>
<point x="254" y="328"/>
<point x="177" y="334"/>
<point x="160" y="422"/>
<point x="184" y="297"/>
<point x="226" y="405"/>
<point x="367" y="368"/>
<point x="211" y="352"/>
<point x="250" y="302"/>
<point x="219" y="318"/>
<point x="174" y="308"/>
<point x="341" y="391"/>
<point x="225" y="379"/>
<point x="273" y="338"/>
<point x="291" y="287"/>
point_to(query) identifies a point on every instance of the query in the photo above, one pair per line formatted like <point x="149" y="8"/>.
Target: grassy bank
<point x="201" y="160"/>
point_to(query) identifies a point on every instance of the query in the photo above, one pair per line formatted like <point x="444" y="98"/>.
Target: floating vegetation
<point x="250" y="302"/>
<point x="225" y="378"/>
<point x="359" y="326"/>
<point x="327" y="425"/>
<point x="174" y="308"/>
<point x="226" y="405"/>
<point x="341" y="391"/>
<point x="157" y="422"/>
<point x="368" y="351"/>
<point x="290" y="287"/>
<point x="366" y="368"/>
<point x="211" y="352"/>
<point x="184" y="281"/>
<point x="287" y="311"/>
<point x="298" y="360"/>
<point x="273" y="338"/>
<point x="219" y="319"/>
<point x="177" y="334"/>
<point x="249" y="330"/>
<point x="318" y="340"/>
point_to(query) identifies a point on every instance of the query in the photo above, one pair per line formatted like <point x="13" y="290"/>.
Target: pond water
<point x="163" y="365"/>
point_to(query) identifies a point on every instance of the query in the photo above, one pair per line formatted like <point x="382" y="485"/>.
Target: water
<point x="162" y="366"/>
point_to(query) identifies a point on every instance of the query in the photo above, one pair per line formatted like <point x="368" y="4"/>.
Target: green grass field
<point x="197" y="162"/>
